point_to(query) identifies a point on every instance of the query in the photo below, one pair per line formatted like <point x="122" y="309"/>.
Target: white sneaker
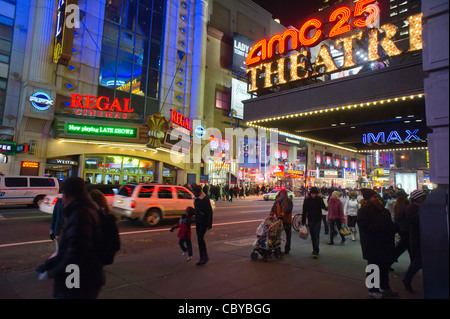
<point x="376" y="295"/>
<point x="183" y="254"/>
<point x="189" y="258"/>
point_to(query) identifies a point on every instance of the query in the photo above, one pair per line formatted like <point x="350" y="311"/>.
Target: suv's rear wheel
<point x="152" y="218"/>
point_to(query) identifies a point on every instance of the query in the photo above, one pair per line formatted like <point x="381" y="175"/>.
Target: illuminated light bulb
<point x="415" y="32"/>
<point x="387" y="44"/>
<point x="324" y="59"/>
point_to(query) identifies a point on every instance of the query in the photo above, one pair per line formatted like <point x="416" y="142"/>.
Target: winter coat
<point x="312" y="209"/>
<point x="184" y="224"/>
<point x="377" y="233"/>
<point x="57" y="218"/>
<point x="412" y="216"/>
<point x="283" y="210"/>
<point x="351" y="207"/>
<point x="336" y="209"/>
<point x="203" y="213"/>
<point x="80" y="244"/>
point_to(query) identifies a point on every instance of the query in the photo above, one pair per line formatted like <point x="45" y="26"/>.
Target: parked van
<point x="19" y="190"/>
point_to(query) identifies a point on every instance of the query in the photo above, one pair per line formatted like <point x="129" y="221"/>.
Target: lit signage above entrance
<point x="102" y="106"/>
<point x="392" y="136"/>
<point x="181" y="120"/>
<point x="350" y="35"/>
<point x="101" y="130"/>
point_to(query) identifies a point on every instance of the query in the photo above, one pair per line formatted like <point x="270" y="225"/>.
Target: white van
<point x="19" y="190"/>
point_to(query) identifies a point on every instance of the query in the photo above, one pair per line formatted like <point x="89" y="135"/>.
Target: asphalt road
<point x="24" y="240"/>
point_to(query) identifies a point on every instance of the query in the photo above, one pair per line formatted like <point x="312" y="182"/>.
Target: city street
<point x="25" y="231"/>
<point x="150" y="264"/>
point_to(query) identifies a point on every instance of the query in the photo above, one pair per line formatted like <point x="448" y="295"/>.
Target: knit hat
<point x="417" y="194"/>
<point x="353" y="193"/>
<point x="336" y="193"/>
<point x="367" y="193"/>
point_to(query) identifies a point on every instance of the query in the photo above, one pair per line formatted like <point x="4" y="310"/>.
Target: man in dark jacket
<point x="79" y="248"/>
<point x="203" y="221"/>
<point x="377" y="236"/>
<point x="312" y="209"/>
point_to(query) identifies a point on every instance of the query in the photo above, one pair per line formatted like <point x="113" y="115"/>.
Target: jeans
<point x="186" y="246"/>
<point x="314" y="231"/>
<point x="325" y="224"/>
<point x="288" y="231"/>
<point x="201" y="231"/>
<point x="333" y="224"/>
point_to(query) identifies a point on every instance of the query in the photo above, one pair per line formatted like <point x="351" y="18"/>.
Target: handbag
<point x="344" y="231"/>
<point x="303" y="232"/>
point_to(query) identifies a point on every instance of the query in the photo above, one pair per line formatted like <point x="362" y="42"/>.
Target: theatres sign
<point x="102" y="106"/>
<point x="268" y="66"/>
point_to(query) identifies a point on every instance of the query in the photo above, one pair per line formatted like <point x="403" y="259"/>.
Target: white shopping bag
<point x="303" y="233"/>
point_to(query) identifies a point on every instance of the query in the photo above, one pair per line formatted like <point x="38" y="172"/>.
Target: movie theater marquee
<point x="266" y="56"/>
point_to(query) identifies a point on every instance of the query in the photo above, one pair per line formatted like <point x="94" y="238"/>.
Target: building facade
<point x="79" y="96"/>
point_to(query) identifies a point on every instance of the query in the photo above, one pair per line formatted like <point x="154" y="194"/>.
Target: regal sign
<point x="102" y="106"/>
<point x="266" y="58"/>
<point x="180" y="120"/>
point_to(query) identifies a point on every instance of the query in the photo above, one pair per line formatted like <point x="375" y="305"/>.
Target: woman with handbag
<point x="350" y="211"/>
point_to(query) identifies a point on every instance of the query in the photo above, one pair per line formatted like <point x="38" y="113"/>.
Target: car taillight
<point x="55" y="200"/>
<point x="133" y="204"/>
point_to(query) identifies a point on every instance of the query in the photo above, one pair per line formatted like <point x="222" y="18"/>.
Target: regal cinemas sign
<point x="268" y="65"/>
<point x="101" y="106"/>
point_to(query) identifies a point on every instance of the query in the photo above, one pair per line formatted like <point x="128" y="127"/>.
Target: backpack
<point x="110" y="238"/>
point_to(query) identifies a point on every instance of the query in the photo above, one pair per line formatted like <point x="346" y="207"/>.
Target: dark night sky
<point x="290" y="12"/>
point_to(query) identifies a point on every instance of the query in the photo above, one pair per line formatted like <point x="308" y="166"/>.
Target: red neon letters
<point x="180" y="120"/>
<point x="100" y="103"/>
<point x="264" y="49"/>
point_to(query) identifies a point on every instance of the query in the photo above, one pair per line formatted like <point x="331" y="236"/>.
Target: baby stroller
<point x="268" y="239"/>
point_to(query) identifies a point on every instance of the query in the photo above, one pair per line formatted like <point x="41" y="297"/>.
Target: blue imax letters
<point x="393" y="136"/>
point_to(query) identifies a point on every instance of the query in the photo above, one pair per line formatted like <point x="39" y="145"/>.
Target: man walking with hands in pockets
<point x="203" y="221"/>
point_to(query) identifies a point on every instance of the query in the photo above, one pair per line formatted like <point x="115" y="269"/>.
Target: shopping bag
<point x="303" y="232"/>
<point x="344" y="231"/>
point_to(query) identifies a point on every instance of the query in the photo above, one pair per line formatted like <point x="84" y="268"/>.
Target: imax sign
<point x="392" y="136"/>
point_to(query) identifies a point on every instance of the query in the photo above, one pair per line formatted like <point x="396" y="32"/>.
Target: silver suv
<point x="152" y="202"/>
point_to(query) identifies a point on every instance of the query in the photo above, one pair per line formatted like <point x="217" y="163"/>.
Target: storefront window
<point x="94" y="162"/>
<point x="130" y="165"/>
<point x="113" y="164"/>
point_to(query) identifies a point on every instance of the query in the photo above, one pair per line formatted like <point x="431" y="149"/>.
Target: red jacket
<point x="336" y="209"/>
<point x="184" y="224"/>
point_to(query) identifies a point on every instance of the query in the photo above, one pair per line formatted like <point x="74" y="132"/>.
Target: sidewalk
<point x="163" y="273"/>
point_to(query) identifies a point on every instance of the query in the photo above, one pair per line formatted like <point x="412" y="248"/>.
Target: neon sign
<point x="41" y="101"/>
<point x="101" y="130"/>
<point x="393" y="136"/>
<point x="181" y="120"/>
<point x="90" y="105"/>
<point x="265" y="48"/>
<point x="298" y="65"/>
